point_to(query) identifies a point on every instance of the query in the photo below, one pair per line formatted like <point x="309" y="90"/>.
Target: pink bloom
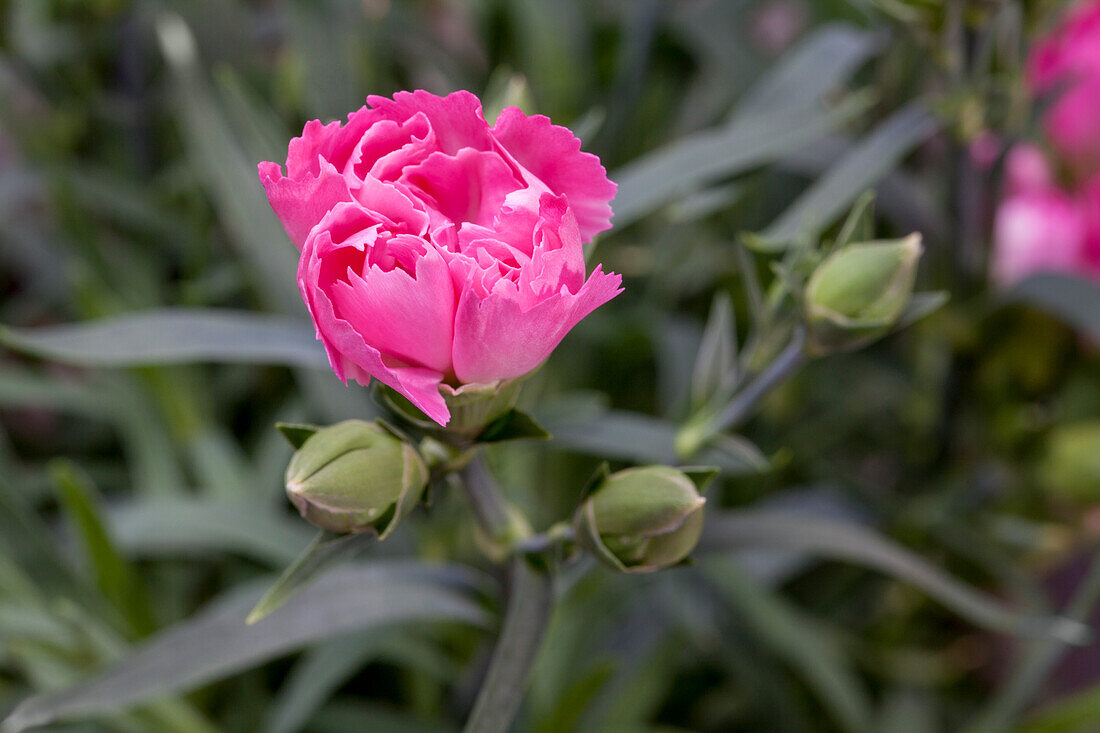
<point x="1090" y="206"/>
<point x="776" y="24"/>
<point x="985" y="149"/>
<point x="1072" y="49"/>
<point x="1073" y="125"/>
<point x="438" y="251"/>
<point x="1067" y="64"/>
<point x="1027" y="169"/>
<point x="1038" y="231"/>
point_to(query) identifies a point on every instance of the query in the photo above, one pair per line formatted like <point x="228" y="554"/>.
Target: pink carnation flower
<point x="1027" y="169"/>
<point x="1067" y="63"/>
<point x="438" y="251"/>
<point x="1038" y="230"/>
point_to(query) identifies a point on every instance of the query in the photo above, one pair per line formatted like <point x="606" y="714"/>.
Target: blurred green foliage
<point x="129" y="134"/>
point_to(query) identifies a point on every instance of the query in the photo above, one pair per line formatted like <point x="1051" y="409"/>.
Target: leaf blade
<point x="865" y="164"/>
<point x="173" y="336"/>
<point x="216" y="642"/>
<point x="326" y="550"/>
<point x="841" y="540"/>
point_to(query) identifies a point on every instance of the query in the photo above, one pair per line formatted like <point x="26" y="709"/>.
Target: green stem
<point x="695" y="434"/>
<point x="530" y="601"/>
<point x="787" y="363"/>
<point x="485" y="498"/>
<point x="556" y="534"/>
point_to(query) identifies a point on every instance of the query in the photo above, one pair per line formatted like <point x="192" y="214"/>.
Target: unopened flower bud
<point x="642" y="519"/>
<point x="356" y="476"/>
<point x="1071" y="466"/>
<point x="859" y="292"/>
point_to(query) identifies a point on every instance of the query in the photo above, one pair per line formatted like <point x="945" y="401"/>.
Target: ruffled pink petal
<point x="456" y="119"/>
<point x="351" y="357"/>
<point x="315" y="142"/>
<point x="470" y="186"/>
<point x="409" y="317"/>
<point x="497" y="338"/>
<point x="402" y="211"/>
<point x="300" y="203"/>
<point x="388" y="146"/>
<point x="553" y="154"/>
<point x="559" y="252"/>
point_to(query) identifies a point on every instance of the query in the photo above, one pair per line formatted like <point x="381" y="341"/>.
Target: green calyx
<point x="473" y="408"/>
<point x="356" y="476"/>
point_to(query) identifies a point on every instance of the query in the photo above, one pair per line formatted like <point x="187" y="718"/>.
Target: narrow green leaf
<point x="322" y="671"/>
<point x="513" y="425"/>
<point x="316" y="677"/>
<point x="173" y="336"/>
<point x="630" y="436"/>
<point x="326" y="551"/>
<point x="701" y="476"/>
<point x="29" y="550"/>
<point x="530" y="601"/>
<point x="217" y="642"/>
<point x="794" y="638"/>
<point x="114" y="576"/>
<point x="189" y="528"/>
<point x="921" y="305"/>
<point x="803" y="77"/>
<point x="846" y="541"/>
<point x="716" y="363"/>
<point x="860" y="224"/>
<point x="229" y="178"/>
<point x="871" y="159"/>
<point x="683" y="166"/>
<point x="781" y="112"/>
<point x="1072" y="299"/>
<point x="296" y="433"/>
<point x="578" y="696"/>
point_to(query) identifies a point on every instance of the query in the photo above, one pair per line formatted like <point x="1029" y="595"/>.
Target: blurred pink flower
<point x="985" y="149"/>
<point x="437" y="250"/>
<point x="1038" y="230"/>
<point x="1073" y="125"/>
<point x="1027" y="169"/>
<point x="776" y="24"/>
<point x="1066" y="64"/>
<point x="1072" y="49"/>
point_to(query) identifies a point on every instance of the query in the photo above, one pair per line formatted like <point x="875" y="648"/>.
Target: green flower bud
<point x="1071" y="466"/>
<point x="642" y="519"/>
<point x="356" y="476"/>
<point x="858" y="293"/>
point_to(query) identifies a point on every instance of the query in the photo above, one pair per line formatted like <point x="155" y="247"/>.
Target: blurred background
<point x="131" y="497"/>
